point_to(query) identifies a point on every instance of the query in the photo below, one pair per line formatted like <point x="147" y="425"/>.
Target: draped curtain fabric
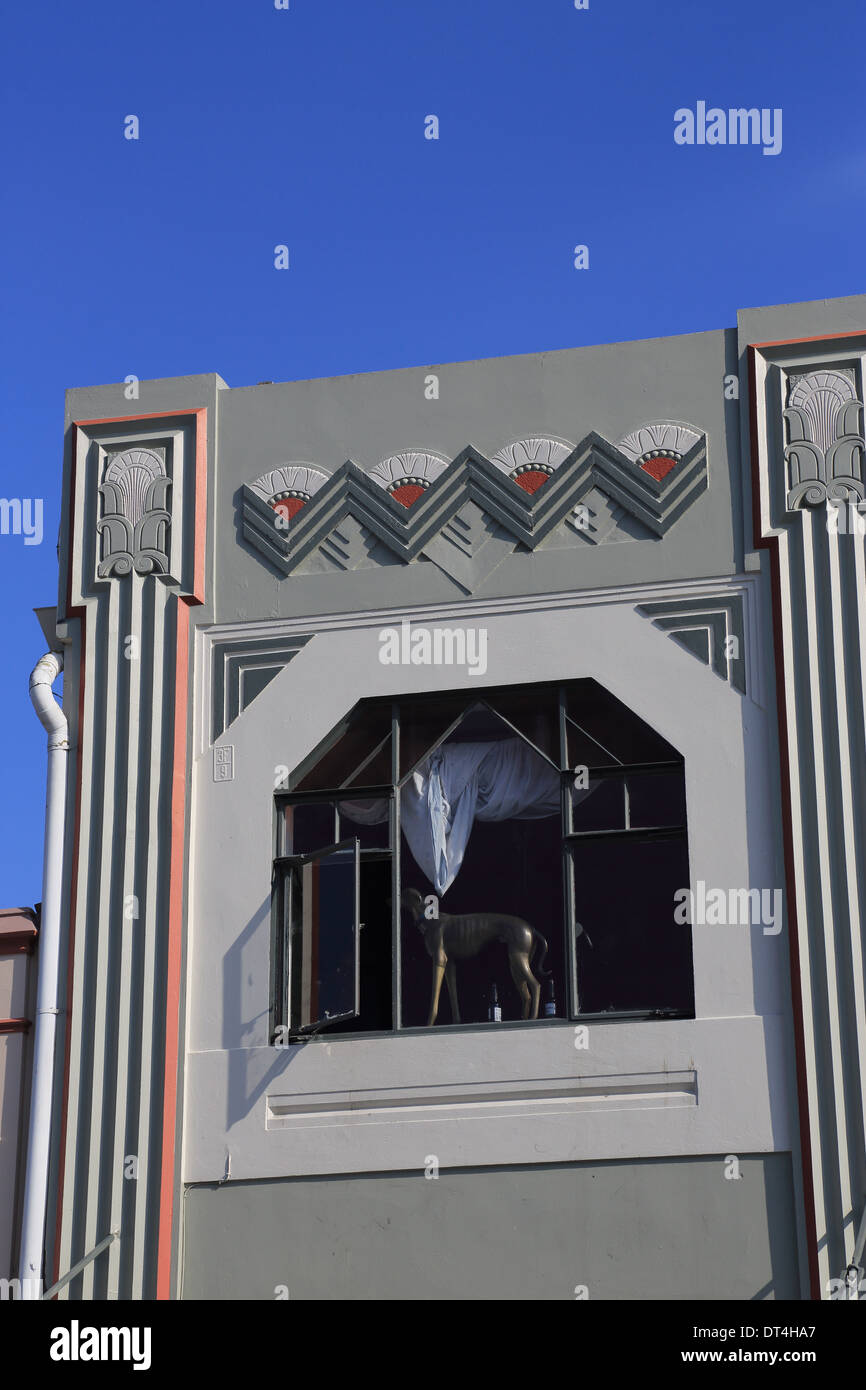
<point x="459" y="784"/>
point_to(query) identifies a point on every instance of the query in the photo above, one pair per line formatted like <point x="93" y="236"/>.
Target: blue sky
<point x="305" y="127"/>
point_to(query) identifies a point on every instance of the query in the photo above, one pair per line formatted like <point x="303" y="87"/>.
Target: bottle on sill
<point x="494" y="1012"/>
<point x="549" y="1000"/>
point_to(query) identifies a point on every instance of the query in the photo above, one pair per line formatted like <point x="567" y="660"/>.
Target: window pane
<point x="423" y="723"/>
<point x="510" y="882"/>
<point x="313" y="825"/>
<point x="657" y="799"/>
<point x="597" y="715"/>
<point x="482" y="843"/>
<point x="374" y="1014"/>
<point x="324" y="941"/>
<point x="534" y="712"/>
<point x="309" y="826"/>
<point x="603" y="809"/>
<point x="370" y="821"/>
<point x="358" y="753"/>
<point x="640" y="958"/>
<point x="585" y="750"/>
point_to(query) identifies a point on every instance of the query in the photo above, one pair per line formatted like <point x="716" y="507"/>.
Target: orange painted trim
<point x="821" y="338"/>
<point x="177" y="858"/>
<point x="771" y="544"/>
<point x="173" y="963"/>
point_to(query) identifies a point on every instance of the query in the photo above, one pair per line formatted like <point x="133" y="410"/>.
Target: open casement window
<point x="552" y="805"/>
<point x="320" y="896"/>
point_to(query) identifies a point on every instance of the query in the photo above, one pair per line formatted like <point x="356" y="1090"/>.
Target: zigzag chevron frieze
<point x="527" y="517"/>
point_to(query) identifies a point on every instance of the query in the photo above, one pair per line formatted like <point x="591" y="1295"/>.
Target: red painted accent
<point x="15" y="1025"/>
<point x="176" y="850"/>
<point x="658" y="468"/>
<point x="287" y="507"/>
<point x="771" y="544"/>
<point x="175" y="937"/>
<point x="821" y="338"/>
<point x="407" y="493"/>
<point x="177" y="864"/>
<point x="531" y="479"/>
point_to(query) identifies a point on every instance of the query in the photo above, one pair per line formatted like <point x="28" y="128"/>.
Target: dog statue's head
<point x="412" y="900"/>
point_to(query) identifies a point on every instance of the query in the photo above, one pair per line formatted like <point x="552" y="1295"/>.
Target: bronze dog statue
<point x="449" y="939"/>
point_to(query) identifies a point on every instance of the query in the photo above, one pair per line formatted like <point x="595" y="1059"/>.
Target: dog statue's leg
<point x="516" y="962"/>
<point x="440" y="960"/>
<point x="451" y="982"/>
<point x="535" y="986"/>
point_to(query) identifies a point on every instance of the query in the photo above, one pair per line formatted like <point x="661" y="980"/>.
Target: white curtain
<point x="461" y="783"/>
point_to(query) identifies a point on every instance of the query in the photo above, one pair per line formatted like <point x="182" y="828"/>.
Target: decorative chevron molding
<point x="712" y="629"/>
<point x="240" y="671"/>
<point x="513" y="516"/>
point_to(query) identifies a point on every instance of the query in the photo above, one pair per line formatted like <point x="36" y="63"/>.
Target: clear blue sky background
<point x="306" y="127"/>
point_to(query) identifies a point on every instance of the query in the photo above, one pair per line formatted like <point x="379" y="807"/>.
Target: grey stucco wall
<point x="611" y="390"/>
<point x="673" y="1229"/>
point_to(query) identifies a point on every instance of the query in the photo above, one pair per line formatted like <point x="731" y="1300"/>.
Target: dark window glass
<point x="657" y="798"/>
<point x="640" y="958"/>
<point x="313" y="825"/>
<point x="514" y="869"/>
<point x="603" y="809"/>
<point x="309" y="826"/>
<point x="533" y="713"/>
<point x="369" y="821"/>
<point x="324" y="925"/>
<point x="506" y="896"/>
<point x="374" y="1014"/>
<point x="357" y="753"/>
<point x="424" y="723"/>
<point x="600" y="721"/>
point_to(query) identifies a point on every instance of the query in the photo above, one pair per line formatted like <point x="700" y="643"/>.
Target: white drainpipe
<point x="44" y="675"/>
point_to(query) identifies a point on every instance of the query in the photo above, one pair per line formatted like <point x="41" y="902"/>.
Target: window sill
<point x="472" y="1029"/>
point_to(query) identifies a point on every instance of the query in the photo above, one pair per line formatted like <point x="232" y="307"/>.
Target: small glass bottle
<point x="550" y="1000"/>
<point x="494" y="1012"/>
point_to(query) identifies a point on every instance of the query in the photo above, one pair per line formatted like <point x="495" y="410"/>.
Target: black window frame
<point x="293" y="794"/>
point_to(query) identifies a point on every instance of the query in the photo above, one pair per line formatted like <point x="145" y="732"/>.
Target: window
<point x="466" y="858"/>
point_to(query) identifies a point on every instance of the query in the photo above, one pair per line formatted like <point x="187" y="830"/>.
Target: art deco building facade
<point x="569" y="647"/>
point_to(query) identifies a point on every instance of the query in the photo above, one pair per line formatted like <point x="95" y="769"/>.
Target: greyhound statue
<point x="449" y="939"/>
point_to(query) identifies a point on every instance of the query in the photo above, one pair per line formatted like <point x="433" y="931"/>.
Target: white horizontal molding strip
<point x="525" y="1097"/>
<point x="469" y="609"/>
